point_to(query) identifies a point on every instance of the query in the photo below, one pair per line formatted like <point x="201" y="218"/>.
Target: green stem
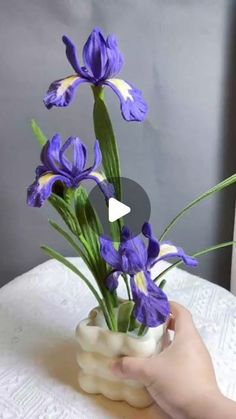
<point x="199" y="253"/>
<point x="105" y="134"/>
<point x="142" y="330"/>
<point x="222" y="185"/>
<point x="127" y="286"/>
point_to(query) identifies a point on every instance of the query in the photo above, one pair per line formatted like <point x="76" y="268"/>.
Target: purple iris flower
<point x="56" y="167"/>
<point x="102" y="62"/>
<point x="136" y="259"/>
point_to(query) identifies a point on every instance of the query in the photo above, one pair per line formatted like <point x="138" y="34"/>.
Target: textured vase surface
<point x="98" y="346"/>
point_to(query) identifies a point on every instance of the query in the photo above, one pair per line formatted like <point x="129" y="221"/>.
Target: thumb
<point x="129" y="367"/>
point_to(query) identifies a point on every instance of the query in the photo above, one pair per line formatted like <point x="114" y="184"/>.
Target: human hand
<point x="181" y="378"/>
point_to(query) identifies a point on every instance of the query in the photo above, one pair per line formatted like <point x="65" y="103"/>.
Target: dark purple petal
<point x="94" y="54"/>
<point x="41" y="189"/>
<point x="152" y="307"/>
<point x="115" y="60"/>
<point x="72" y="56"/>
<point x="61" y="92"/>
<point x="40" y="170"/>
<point x="133" y="251"/>
<point x="112" y="280"/>
<point x="109" y="253"/>
<point x="132" y="103"/>
<point x="169" y="251"/>
<point x="153" y="245"/>
<point x="50" y="154"/>
<point x="106" y="187"/>
<point x="79" y="152"/>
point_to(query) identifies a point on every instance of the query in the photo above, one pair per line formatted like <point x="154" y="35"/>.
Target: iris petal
<point x="135" y="251"/>
<point x="115" y="60"/>
<point x="72" y="56"/>
<point x="61" y="92"/>
<point x="153" y="245"/>
<point x="106" y="187"/>
<point x="151" y="303"/>
<point x="109" y="253"/>
<point x="168" y="251"/>
<point x="41" y="189"/>
<point x="79" y="156"/>
<point x="50" y="154"/>
<point x="112" y="280"/>
<point x="94" y="54"/>
<point x="132" y="103"/>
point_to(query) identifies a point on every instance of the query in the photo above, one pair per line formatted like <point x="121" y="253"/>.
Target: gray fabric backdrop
<point x="181" y="55"/>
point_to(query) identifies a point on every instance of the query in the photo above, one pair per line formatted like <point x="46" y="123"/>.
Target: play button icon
<point x="117" y="210"/>
<point x="131" y="210"/>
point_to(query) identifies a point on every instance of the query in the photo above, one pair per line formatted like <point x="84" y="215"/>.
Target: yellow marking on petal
<point x="123" y="88"/>
<point x="43" y="180"/>
<point x="141" y="282"/>
<point x="65" y="84"/>
<point x="166" y="249"/>
<point x="98" y="175"/>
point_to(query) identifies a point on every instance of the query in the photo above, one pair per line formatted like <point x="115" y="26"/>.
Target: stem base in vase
<point x="98" y="346"/>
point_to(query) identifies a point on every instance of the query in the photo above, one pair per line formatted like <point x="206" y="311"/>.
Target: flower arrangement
<point x="61" y="181"/>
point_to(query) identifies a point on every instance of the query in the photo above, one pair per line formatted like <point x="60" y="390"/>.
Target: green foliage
<point x="66" y="212"/>
<point x="123" y="316"/>
<point x="70" y="240"/>
<point x="91" y="229"/>
<point x="199" y="253"/>
<point x="222" y="185"/>
<point x="54" y="254"/>
<point x="105" y="134"/>
<point x="39" y="135"/>
<point x="162" y="283"/>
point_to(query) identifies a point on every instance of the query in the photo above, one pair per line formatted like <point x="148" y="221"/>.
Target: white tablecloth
<point x="38" y="314"/>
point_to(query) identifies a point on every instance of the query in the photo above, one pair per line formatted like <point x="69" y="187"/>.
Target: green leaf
<point x="199" y="253"/>
<point x="42" y="139"/>
<point x="66" y="213"/>
<point x="105" y="134"/>
<point x="91" y="230"/>
<point x="162" y="284"/>
<point x="70" y="240"/>
<point x="55" y="255"/>
<point x="123" y="316"/>
<point x="222" y="185"/>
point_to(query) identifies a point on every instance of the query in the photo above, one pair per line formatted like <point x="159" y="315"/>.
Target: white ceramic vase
<point x="98" y="346"/>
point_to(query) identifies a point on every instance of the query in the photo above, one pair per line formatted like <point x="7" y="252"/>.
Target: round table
<point x="39" y="311"/>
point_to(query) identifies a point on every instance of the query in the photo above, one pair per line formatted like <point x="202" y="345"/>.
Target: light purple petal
<point x="109" y="253"/>
<point x="94" y="54"/>
<point x="97" y="156"/>
<point x="153" y="245"/>
<point x="41" y="189"/>
<point x="152" y="307"/>
<point x="132" y="103"/>
<point x="72" y="56"/>
<point x="61" y="92"/>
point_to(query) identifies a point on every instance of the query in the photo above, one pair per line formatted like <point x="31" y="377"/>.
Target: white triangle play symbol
<point x="117" y="210"/>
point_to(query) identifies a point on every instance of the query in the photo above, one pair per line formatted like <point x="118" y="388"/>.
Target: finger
<point x="181" y="320"/>
<point x="129" y="367"/>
